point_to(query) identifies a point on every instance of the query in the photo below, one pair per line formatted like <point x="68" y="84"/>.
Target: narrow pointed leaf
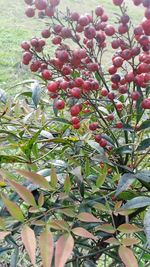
<point x="35" y="178"/>
<point x="83" y="233"/>
<point x="54" y="178"/>
<point x="106" y="227"/>
<point x="87" y="217"/>
<point x="130" y="241"/>
<point x="127" y="257"/>
<point x="129" y="228"/>
<point x="126" y="180"/>
<point x="13" y="209"/>
<point x="29" y="241"/>
<point x="24" y="193"/>
<point x="137" y="202"/>
<point x="112" y="241"/>
<point x="46" y="247"/>
<point x="64" y="248"/>
<point x="67" y="184"/>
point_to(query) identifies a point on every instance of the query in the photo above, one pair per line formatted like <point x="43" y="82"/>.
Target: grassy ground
<point x="16" y="27"/>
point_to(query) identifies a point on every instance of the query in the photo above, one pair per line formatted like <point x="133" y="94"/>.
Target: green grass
<point x="16" y="27"/>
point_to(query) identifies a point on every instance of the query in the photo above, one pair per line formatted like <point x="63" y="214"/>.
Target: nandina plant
<point x="92" y="208"/>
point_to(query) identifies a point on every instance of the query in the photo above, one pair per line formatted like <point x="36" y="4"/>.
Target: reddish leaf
<point x="83" y="233"/>
<point x="127" y="257"/>
<point x="106" y="227"/>
<point x="87" y="217"/>
<point x="64" y="248"/>
<point x="129" y="241"/>
<point x="128" y="228"/>
<point x="29" y="241"/>
<point x="58" y="225"/>
<point x="46" y="247"/>
<point x="24" y="193"/>
<point x="4" y="234"/>
<point x="35" y="178"/>
<point x="113" y="241"/>
<point x="13" y="209"/>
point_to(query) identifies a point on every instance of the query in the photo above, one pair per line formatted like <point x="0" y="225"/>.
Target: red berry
<point x="50" y="11"/>
<point x="75" y="110"/>
<point x="28" y="2"/>
<point x="103" y="143"/>
<point x="59" y="104"/>
<point x="119" y="125"/>
<point x="135" y="95"/>
<point x="146" y="26"/>
<point x="30" y="12"/>
<point x="25" y="45"/>
<point x="52" y="87"/>
<point x="118" y="2"/>
<point x="119" y="106"/>
<point x="109" y="30"/>
<point x="146" y="103"/>
<point x="137" y="2"/>
<point x="54" y="2"/>
<point x="110" y="117"/>
<point x="34" y="67"/>
<point x="93" y="126"/>
<point x="99" y="11"/>
<point x="40" y="4"/>
<point x="75" y="120"/>
<point x="76" y="126"/>
<point x="83" y="21"/>
<point x="98" y="138"/>
<point x="74" y="16"/>
<point x="104" y="92"/>
<point x="46" y="74"/>
<point x="112" y="70"/>
<point x="90" y="32"/>
<point x="123" y="28"/>
<point x="46" y="33"/>
<point x="117" y="62"/>
<point x="75" y="92"/>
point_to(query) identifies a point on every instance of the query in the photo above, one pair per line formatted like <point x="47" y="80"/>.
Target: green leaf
<point x="11" y="159"/>
<point x="143" y="176"/>
<point x="95" y="146"/>
<point x="13" y="209"/>
<point x="67" y="184"/>
<point x="137" y="202"/>
<point x="101" y="180"/>
<point x="106" y="227"/>
<point x="35" y="178"/>
<point x="144" y="144"/>
<point x="24" y="193"/>
<point x="127" y="228"/>
<point x="139" y="110"/>
<point x="147" y="226"/>
<point x="125" y="181"/>
<point x="87" y="217"/>
<point x="144" y="125"/>
<point x="54" y="178"/>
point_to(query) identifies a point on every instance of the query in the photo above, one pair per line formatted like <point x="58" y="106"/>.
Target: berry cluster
<point x="77" y="75"/>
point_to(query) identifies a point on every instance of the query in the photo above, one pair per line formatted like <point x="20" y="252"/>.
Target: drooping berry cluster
<point x="78" y="76"/>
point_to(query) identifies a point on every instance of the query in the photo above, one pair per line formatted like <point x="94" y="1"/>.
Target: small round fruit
<point x="59" y="104"/>
<point x="103" y="143"/>
<point x="146" y="103"/>
<point x="30" y="12"/>
<point x="46" y="74"/>
<point x="93" y="126"/>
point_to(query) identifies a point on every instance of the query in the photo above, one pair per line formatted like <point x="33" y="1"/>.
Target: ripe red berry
<point x="75" y="110"/>
<point x="146" y="103"/>
<point x="30" y="12"/>
<point x="137" y="2"/>
<point x="117" y="62"/>
<point x="146" y="26"/>
<point x="135" y="95"/>
<point x="46" y="74"/>
<point x="40" y="4"/>
<point x="110" y="117"/>
<point x="90" y="32"/>
<point x="98" y="138"/>
<point x="83" y="21"/>
<point x="123" y="28"/>
<point x="35" y="66"/>
<point x="46" y="33"/>
<point x="54" y="2"/>
<point x="119" y="125"/>
<point x="119" y="106"/>
<point x="118" y="2"/>
<point x="104" y="92"/>
<point x="74" y="16"/>
<point x="103" y="143"/>
<point x="75" y="92"/>
<point x="93" y="126"/>
<point x="25" y="45"/>
<point x="99" y="11"/>
<point x="52" y="87"/>
<point x="75" y="120"/>
<point x="28" y="2"/>
<point x="76" y="126"/>
<point x="66" y="33"/>
<point x="112" y="70"/>
<point x="109" y="30"/>
<point x="59" y="104"/>
<point x="50" y="11"/>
